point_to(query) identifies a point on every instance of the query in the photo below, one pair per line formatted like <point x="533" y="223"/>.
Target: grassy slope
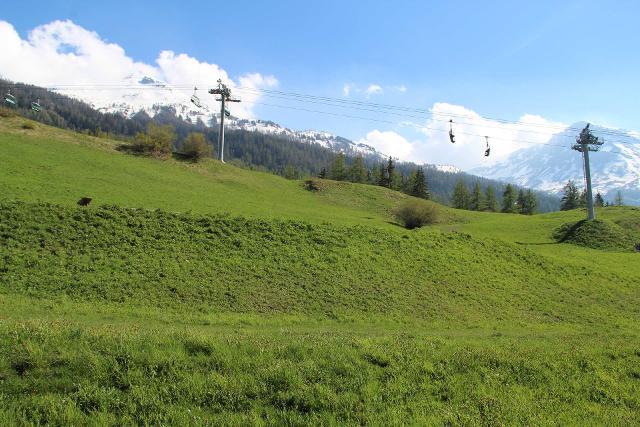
<point x="57" y="166"/>
<point x="116" y="315"/>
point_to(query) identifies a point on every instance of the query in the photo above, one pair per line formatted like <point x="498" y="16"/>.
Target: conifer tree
<point x="460" y="197"/>
<point x="598" y="200"/>
<point x="358" y="170"/>
<point x="323" y="173"/>
<point x="520" y="201"/>
<point x="338" y="172"/>
<point x="418" y="184"/>
<point x="571" y="198"/>
<point x="618" y="200"/>
<point x="529" y="203"/>
<point x="381" y="175"/>
<point x="509" y="199"/>
<point x="477" y="202"/>
<point x="393" y="180"/>
<point x="582" y="201"/>
<point x="492" y="202"/>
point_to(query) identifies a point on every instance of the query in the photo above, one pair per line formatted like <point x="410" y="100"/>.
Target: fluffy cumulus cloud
<point x="390" y="143"/>
<point x="64" y="54"/>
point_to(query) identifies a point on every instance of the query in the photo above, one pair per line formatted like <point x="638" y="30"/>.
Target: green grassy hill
<point x="207" y="294"/>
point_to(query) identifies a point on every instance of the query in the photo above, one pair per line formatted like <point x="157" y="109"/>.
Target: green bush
<point x="157" y="141"/>
<point x="415" y="213"/>
<point x="28" y="125"/>
<point x="6" y="113"/>
<point x="195" y="146"/>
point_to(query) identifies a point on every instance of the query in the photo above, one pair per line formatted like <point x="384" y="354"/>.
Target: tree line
<point x="382" y="174"/>
<point x="572" y="198"/>
<point x="513" y="201"/>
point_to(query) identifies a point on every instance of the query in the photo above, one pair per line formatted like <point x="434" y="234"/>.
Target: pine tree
<point x="460" y="195"/>
<point x="582" y="201"/>
<point x="358" y="170"/>
<point x="509" y="199"/>
<point x="520" y="201"/>
<point x="598" y="200"/>
<point x="381" y="175"/>
<point x="492" y="202"/>
<point x="530" y="203"/>
<point x="571" y="198"/>
<point x="338" y="172"/>
<point x="393" y="180"/>
<point x="418" y="184"/>
<point x="477" y="202"/>
<point x="323" y="173"/>
<point x="289" y="172"/>
<point x="618" y="200"/>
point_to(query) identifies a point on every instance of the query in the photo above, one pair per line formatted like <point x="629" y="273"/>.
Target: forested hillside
<point x="269" y="152"/>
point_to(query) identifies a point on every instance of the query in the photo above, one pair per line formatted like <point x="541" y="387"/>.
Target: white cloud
<point x="373" y="89"/>
<point x="389" y="143"/>
<point x="401" y="88"/>
<point x="469" y="129"/>
<point x="346" y="89"/>
<point x="433" y="146"/>
<point x="63" y="53"/>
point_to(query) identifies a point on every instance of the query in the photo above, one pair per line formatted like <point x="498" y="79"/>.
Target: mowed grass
<point x="319" y="311"/>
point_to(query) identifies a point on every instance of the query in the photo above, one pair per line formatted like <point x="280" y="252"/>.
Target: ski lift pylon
<point x="452" y="137"/>
<point x="488" y="150"/>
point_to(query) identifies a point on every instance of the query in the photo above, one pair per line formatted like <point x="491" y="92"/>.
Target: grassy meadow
<point x="204" y="294"/>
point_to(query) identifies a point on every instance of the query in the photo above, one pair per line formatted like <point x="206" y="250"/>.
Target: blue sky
<point x="565" y="61"/>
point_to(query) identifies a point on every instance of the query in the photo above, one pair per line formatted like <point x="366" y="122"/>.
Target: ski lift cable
<point x="422" y="127"/>
<point x="337" y="100"/>
<point x="385" y="107"/>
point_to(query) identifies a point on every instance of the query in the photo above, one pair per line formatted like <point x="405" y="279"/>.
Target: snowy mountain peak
<point x="549" y="166"/>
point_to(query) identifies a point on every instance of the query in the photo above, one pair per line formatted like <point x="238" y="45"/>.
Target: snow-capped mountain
<point x="140" y="93"/>
<point x="137" y="94"/>
<point x="548" y="167"/>
<point x="325" y="139"/>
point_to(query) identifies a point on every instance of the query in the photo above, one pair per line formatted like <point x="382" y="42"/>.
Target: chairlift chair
<point x="488" y="150"/>
<point x="35" y="106"/>
<point x="194" y="98"/>
<point x="227" y="113"/>
<point x="451" y="135"/>
<point x="10" y="99"/>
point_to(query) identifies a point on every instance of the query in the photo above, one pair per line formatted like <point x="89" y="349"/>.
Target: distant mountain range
<point x="548" y="167"/>
<point x="152" y="96"/>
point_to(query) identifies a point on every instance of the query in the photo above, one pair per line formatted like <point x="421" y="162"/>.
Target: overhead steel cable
<point x="296" y="95"/>
<point x="383" y="108"/>
<point x="358" y="105"/>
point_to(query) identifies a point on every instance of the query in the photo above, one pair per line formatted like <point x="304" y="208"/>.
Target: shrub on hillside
<point x="6" y="113"/>
<point x="415" y="213"/>
<point x="157" y="141"/>
<point x="28" y="126"/>
<point x="195" y="146"/>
